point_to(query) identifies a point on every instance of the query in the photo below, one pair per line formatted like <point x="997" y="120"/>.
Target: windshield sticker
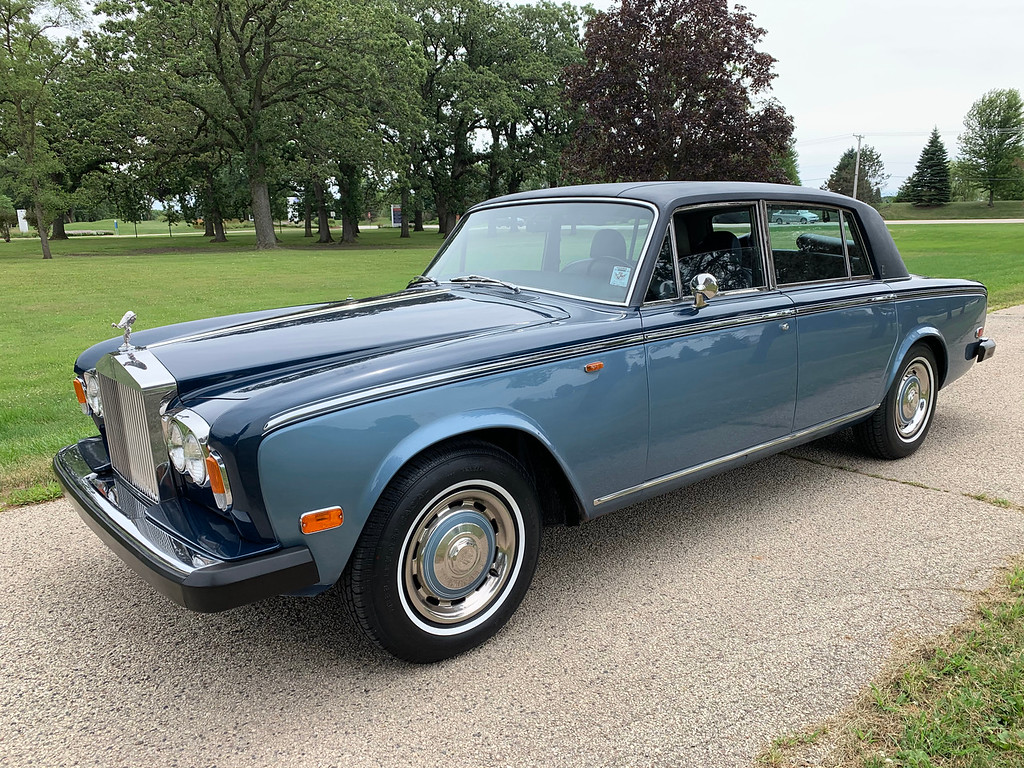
<point x="620" y="277"/>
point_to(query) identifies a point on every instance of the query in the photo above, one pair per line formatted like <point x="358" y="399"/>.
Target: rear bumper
<point x="188" y="576"/>
<point x="986" y="349"/>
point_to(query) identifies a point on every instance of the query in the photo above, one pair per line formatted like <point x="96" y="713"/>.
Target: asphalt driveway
<point x="689" y="630"/>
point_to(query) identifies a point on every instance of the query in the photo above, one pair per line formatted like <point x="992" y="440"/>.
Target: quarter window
<point x="859" y="264"/>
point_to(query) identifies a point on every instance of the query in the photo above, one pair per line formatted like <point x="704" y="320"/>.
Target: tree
<point x="929" y="183"/>
<point x="676" y="89"/>
<point x="8" y="217"/>
<point x="30" y="62"/>
<point x="790" y="163"/>
<point x="872" y="175"/>
<point x="243" y="65"/>
<point x="992" y="144"/>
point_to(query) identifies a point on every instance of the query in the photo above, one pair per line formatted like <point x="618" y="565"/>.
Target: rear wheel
<point x="901" y="423"/>
<point x="447" y="554"/>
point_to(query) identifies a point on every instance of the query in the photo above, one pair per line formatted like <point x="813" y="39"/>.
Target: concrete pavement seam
<point x="994" y="501"/>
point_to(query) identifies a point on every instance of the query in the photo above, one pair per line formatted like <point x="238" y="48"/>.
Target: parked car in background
<point x="789" y="216"/>
<point x="617" y="342"/>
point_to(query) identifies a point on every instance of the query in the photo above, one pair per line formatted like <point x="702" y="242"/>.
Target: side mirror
<point x="703" y="287"/>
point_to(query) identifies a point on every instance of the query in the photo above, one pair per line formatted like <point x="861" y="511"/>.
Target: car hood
<point x="216" y="360"/>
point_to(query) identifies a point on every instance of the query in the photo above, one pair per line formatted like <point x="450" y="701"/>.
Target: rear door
<point x="845" y="316"/>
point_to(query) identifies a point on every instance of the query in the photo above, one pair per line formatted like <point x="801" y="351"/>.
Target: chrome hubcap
<point x="913" y="405"/>
<point x="459" y="555"/>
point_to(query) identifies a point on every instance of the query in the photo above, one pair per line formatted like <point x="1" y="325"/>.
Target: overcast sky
<point x="889" y="69"/>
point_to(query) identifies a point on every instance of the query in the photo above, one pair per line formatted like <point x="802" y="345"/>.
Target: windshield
<point x="587" y="249"/>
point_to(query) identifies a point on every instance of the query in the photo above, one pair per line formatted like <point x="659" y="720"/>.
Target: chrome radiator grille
<point x="131" y="389"/>
<point x="124" y="415"/>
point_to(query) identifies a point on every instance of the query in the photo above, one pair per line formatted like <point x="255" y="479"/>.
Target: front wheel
<point x="901" y="423"/>
<point x="447" y="554"/>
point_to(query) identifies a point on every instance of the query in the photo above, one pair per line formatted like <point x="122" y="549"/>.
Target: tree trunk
<point x="219" y="235"/>
<point x="405" y="212"/>
<point x="348" y="229"/>
<point x="493" y="164"/>
<point x="263" y="217"/>
<point x="309" y="215"/>
<point x="208" y="228"/>
<point x="41" y="226"/>
<point x="323" y="224"/>
<point x="348" y="189"/>
<point x="58" y="228"/>
<point x="991" y="198"/>
<point x="417" y="220"/>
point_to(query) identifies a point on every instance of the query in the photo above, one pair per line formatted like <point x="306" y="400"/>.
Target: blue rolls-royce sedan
<point x="566" y="353"/>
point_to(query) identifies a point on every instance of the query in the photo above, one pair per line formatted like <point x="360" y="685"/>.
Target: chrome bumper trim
<point x="190" y="578"/>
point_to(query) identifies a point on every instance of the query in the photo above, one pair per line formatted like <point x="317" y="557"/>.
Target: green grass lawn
<point x="1003" y="209"/>
<point x="958" y="703"/>
<point x="993" y="254"/>
<point x="52" y="310"/>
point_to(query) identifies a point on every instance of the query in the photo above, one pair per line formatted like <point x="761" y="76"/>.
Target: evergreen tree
<point x="929" y="184"/>
<point x="872" y="175"/>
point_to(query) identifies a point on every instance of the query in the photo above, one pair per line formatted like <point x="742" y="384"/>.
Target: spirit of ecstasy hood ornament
<point x="126" y="326"/>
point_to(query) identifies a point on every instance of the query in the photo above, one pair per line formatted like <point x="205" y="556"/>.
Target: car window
<point x="859" y="264"/>
<point x="663" y="282"/>
<point x="721" y="241"/>
<point x="587" y="249"/>
<point x="806" y="244"/>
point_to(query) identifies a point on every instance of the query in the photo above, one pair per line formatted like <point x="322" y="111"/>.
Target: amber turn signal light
<point x="321" y="520"/>
<point x="80" y="394"/>
<point x="593" y="367"/>
<point x="213" y="472"/>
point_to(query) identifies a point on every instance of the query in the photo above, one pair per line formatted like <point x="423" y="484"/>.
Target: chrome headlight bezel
<point x="92" y="393"/>
<point x="186" y="437"/>
<point x="195" y="432"/>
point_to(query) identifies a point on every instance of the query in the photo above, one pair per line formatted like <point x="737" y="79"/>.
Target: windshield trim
<point x="641" y="260"/>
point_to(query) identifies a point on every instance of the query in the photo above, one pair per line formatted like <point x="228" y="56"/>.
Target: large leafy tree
<point x="870" y="180"/>
<point x="31" y="60"/>
<point x="929" y="185"/>
<point x="493" y="120"/>
<point x="676" y="89"/>
<point x="992" y="144"/>
<point x="242" y="66"/>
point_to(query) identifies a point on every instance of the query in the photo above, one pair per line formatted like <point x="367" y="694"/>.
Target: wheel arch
<point x="935" y="341"/>
<point x="559" y="496"/>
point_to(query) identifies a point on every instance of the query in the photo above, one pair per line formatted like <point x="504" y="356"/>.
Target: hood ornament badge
<point x="126" y="326"/>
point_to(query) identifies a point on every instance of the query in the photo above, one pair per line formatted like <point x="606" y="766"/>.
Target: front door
<point x="722" y="378"/>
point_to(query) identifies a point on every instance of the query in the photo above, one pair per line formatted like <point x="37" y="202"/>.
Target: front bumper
<point x="176" y="568"/>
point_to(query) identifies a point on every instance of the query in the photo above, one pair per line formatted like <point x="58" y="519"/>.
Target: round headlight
<point x="176" y="446"/>
<point x="195" y="459"/>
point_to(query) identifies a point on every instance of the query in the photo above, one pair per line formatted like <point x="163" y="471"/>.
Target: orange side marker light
<point x="321" y="520"/>
<point x="593" y="367"/>
<point x="213" y="472"/>
<point x="80" y="394"/>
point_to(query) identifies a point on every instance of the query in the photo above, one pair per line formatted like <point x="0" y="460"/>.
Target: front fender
<point x="599" y="422"/>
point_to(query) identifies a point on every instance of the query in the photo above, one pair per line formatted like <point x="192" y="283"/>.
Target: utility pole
<point x="856" y="165"/>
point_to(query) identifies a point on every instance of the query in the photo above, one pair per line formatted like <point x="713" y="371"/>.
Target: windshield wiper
<point x="420" y="279"/>
<point x="482" y="279"/>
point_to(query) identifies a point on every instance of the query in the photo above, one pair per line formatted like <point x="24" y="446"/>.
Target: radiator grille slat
<point x="131" y="453"/>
